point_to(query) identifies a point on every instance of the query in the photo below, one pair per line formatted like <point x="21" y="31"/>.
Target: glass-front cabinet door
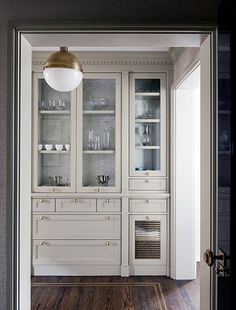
<point x="54" y="116"/>
<point x="98" y="123"/>
<point x="148" y="124"/>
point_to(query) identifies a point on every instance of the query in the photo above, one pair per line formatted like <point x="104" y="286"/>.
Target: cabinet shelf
<point x="54" y="152"/>
<point x="151" y="147"/>
<point x="99" y="151"/>
<point x="65" y="112"/>
<point x="98" y="112"/>
<point x="146" y="120"/>
<point x="148" y="94"/>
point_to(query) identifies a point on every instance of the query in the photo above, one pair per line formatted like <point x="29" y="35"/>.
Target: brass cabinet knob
<point x="148" y="201"/>
<point x="76" y="200"/>
<point x="147" y="218"/>
<point x="108" y="218"/>
<point x="43" y="201"/>
<point x="98" y="189"/>
<point x="147" y="181"/>
<point x="42" y="217"/>
<point x="43" y="243"/>
<point x="108" y="200"/>
<point x="108" y="243"/>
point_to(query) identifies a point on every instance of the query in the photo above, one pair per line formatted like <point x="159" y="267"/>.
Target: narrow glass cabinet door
<point x="99" y="132"/>
<point x="53" y="138"/>
<point x="148" y="124"/>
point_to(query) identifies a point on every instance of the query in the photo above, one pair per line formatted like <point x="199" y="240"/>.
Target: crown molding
<point x="113" y="58"/>
<point x="41" y="62"/>
<point x="176" y="52"/>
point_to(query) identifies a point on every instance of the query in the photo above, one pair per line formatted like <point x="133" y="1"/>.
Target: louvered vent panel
<point x="147" y="240"/>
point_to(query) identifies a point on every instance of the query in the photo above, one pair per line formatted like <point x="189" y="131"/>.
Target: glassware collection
<point x="97" y="103"/>
<point x="54" y="147"/>
<point x="57" y="180"/>
<point x="95" y="143"/>
<point x="54" y="105"/>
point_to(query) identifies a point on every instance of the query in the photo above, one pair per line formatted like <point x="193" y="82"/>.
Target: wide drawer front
<point x="108" y="205"/>
<point x="147" y="184"/>
<point x="43" y="205"/>
<point x="76" y="205"/>
<point x="76" y="226"/>
<point x="76" y="252"/>
<point x="147" y="205"/>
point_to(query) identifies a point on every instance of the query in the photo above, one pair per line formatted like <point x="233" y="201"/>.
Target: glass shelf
<point x="54" y="112"/>
<point x="54" y="152"/>
<point x="98" y="151"/>
<point x="143" y="120"/>
<point x="97" y="112"/>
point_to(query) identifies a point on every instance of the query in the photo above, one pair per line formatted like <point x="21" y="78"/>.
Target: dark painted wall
<point x="99" y="11"/>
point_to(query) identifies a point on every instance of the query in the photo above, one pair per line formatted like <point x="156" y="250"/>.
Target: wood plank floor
<point x="114" y="293"/>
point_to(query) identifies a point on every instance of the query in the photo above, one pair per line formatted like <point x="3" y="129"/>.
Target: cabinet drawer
<point x="147" y="205"/>
<point x="43" y="205"/>
<point x="60" y="226"/>
<point x="147" y="184"/>
<point x="108" y="205"/>
<point x="76" y="252"/>
<point x="76" y="205"/>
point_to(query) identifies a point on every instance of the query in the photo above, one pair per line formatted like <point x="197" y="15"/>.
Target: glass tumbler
<point x="106" y="140"/>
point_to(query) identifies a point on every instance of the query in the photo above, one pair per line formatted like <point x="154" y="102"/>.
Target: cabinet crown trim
<point x="41" y="62"/>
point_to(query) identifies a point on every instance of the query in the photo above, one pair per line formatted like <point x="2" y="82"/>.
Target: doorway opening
<point x="142" y="57"/>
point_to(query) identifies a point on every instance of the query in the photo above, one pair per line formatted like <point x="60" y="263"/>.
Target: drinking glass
<point x="91" y="144"/>
<point x="97" y="143"/>
<point x="106" y="140"/>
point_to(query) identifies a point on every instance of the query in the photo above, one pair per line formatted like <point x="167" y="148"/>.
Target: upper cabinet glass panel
<point x="54" y="144"/>
<point x="148" y="114"/>
<point x="100" y="128"/>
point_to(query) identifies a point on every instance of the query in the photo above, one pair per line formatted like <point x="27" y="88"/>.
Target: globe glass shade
<point x="62" y="79"/>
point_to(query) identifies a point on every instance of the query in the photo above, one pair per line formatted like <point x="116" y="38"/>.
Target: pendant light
<point x="63" y="71"/>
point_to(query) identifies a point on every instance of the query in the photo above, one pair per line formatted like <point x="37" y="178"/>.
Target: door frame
<point x="208" y="168"/>
<point x="14" y="165"/>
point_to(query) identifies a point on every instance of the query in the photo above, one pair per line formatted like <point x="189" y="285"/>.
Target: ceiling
<point x="113" y="42"/>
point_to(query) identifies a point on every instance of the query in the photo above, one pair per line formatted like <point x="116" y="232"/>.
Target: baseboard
<point x="148" y="270"/>
<point x="75" y="270"/>
<point x="124" y="271"/>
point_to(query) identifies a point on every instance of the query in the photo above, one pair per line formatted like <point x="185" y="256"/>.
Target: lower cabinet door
<point x="148" y="240"/>
<point x="60" y="226"/>
<point x="76" y="252"/>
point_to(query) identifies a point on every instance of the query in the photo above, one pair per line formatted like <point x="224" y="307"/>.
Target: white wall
<point x="187" y="177"/>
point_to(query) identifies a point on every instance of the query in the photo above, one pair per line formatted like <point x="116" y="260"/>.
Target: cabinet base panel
<point x="74" y="270"/>
<point x="148" y="270"/>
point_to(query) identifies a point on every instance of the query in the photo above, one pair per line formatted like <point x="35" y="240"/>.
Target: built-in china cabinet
<point x="100" y="200"/>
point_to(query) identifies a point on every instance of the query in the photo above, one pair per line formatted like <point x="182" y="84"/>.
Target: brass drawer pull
<point x="108" y="200"/>
<point x="43" y="243"/>
<point x="147" y="218"/>
<point x="147" y="181"/>
<point x="43" y="217"/>
<point x="76" y="200"/>
<point x="108" y="218"/>
<point x="148" y="201"/>
<point x="98" y="189"/>
<point x="108" y="243"/>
